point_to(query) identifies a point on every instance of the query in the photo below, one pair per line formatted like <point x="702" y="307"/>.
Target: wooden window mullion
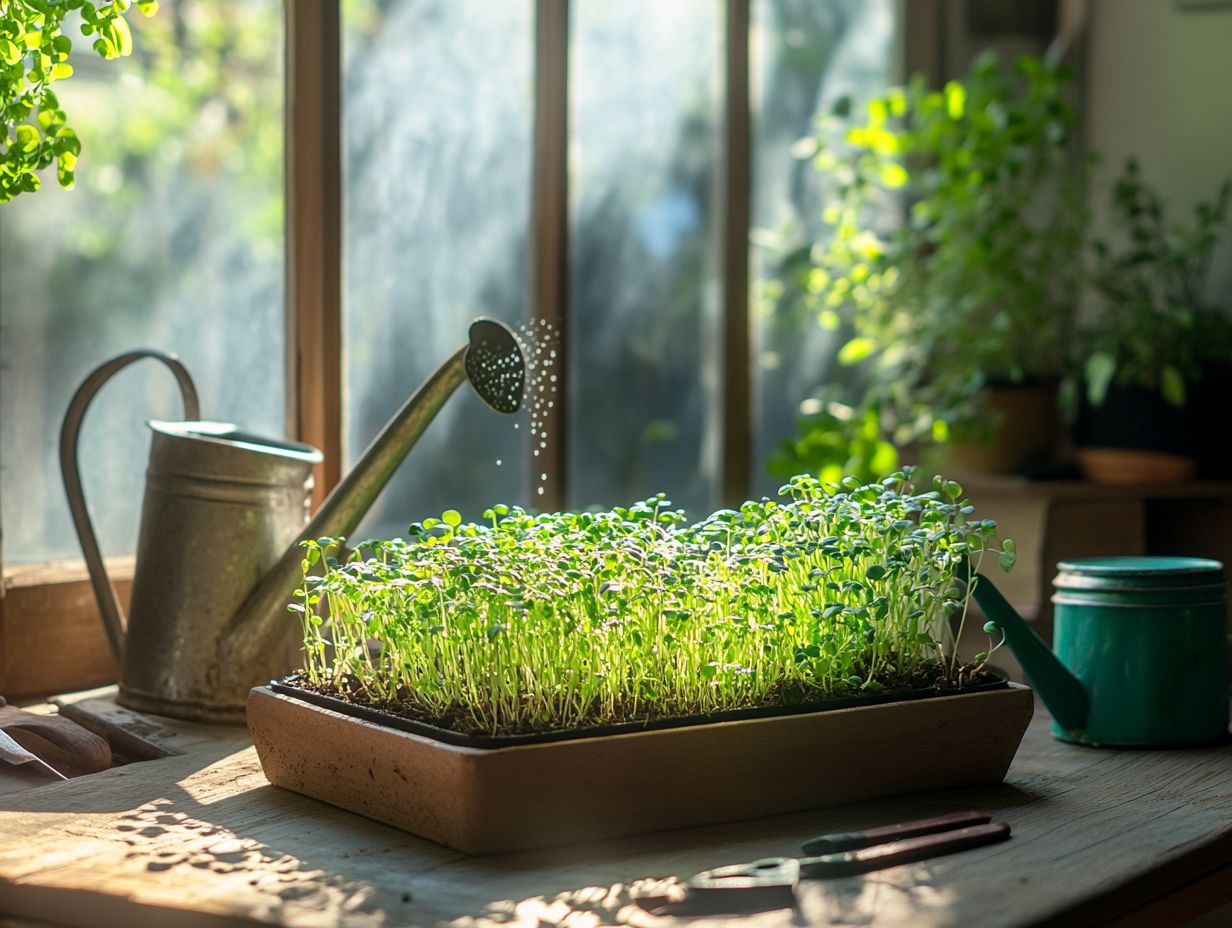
<point x="549" y="238"/>
<point x="734" y="192"/>
<point x="313" y="164"/>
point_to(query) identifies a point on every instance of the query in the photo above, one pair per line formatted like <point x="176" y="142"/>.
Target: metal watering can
<point x="1141" y="650"/>
<point x="224" y="512"/>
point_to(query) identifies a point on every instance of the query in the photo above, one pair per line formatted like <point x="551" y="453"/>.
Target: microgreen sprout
<point x="539" y="622"/>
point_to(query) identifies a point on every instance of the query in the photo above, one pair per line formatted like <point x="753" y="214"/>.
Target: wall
<point x="1159" y="86"/>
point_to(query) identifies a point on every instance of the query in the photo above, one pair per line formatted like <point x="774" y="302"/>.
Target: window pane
<point x="437" y="104"/>
<point x="807" y="54"/>
<point x="172" y="240"/>
<point x="646" y="84"/>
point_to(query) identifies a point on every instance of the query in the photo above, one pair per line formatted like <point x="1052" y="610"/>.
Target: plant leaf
<point x="856" y="350"/>
<point x="1009" y="555"/>
<point x="1172" y="385"/>
<point x="1100" y="368"/>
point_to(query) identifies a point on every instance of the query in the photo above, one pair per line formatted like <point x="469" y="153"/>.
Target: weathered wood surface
<point x="200" y="838"/>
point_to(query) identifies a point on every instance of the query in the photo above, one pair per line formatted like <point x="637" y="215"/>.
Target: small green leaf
<point x="1100" y="368"/>
<point x="991" y="628"/>
<point x="856" y="350"/>
<point x="893" y="175"/>
<point x="123" y="36"/>
<point x="1009" y="555"/>
<point x="955" y="99"/>
<point x="28" y="138"/>
<point x="451" y="517"/>
<point x="1172" y="385"/>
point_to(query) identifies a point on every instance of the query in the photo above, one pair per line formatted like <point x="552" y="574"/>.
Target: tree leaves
<point x="34" y="54"/>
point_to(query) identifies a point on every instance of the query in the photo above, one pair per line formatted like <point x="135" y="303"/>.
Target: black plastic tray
<point x="388" y="719"/>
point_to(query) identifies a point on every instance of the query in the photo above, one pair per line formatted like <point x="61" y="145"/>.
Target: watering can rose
<point x="564" y="620"/>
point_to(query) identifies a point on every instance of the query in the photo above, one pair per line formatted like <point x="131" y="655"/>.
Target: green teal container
<point x="1147" y="638"/>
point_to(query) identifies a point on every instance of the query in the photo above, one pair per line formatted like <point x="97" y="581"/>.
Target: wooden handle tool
<point x="878" y="857"/>
<point x="854" y="840"/>
<point x="14" y="753"/>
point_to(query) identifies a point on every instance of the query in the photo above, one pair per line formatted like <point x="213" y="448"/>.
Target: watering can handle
<point x="70" y="470"/>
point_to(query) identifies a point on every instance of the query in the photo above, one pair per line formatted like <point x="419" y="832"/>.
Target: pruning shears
<point x="771" y="883"/>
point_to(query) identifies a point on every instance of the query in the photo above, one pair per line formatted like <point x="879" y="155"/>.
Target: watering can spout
<point x="1062" y="692"/>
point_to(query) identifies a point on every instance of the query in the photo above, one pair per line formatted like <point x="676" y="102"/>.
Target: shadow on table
<point x="213" y="837"/>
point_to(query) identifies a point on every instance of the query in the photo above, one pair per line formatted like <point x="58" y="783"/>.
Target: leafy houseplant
<point x="34" y="54"/>
<point x="1153" y="335"/>
<point x="975" y="287"/>
<point x="545" y="629"/>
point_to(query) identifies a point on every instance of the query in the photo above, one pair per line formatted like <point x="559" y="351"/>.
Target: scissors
<point x="771" y="883"/>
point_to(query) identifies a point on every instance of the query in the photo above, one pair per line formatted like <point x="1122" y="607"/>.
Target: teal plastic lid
<point x="1138" y="573"/>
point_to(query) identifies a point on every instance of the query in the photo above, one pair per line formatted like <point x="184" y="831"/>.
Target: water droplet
<point x="541" y="491"/>
<point x="498" y="462"/>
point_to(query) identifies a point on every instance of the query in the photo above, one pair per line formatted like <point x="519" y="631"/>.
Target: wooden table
<point x="200" y="838"/>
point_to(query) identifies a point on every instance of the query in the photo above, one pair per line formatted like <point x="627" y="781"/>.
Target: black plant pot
<point x="1211" y="400"/>
<point x="1136" y="436"/>
<point x="1136" y="418"/>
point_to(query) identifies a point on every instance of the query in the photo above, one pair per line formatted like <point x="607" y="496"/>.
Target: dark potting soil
<point x="458" y="726"/>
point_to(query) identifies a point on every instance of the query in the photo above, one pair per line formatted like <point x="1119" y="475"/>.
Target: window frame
<point x="53" y="602"/>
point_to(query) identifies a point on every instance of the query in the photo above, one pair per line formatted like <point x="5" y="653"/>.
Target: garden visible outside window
<point x="173" y="238"/>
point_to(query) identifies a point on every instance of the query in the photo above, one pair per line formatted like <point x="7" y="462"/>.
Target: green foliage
<point x="34" y="54"/>
<point x="569" y="619"/>
<point x="977" y="284"/>
<point x="1153" y="328"/>
<point x="834" y="440"/>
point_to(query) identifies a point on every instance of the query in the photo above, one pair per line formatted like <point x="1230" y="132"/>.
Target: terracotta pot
<point x="494" y="800"/>
<point x="1128" y="466"/>
<point x="1025" y="432"/>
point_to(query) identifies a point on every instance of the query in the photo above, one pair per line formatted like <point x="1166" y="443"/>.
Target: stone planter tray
<point x="485" y="800"/>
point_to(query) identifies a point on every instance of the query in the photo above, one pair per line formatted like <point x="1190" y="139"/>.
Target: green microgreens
<point x="561" y="620"/>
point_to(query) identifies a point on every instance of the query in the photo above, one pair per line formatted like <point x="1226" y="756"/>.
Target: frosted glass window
<point x="806" y="54"/>
<point x="438" y="114"/>
<point x="173" y="239"/>
<point x="646" y="95"/>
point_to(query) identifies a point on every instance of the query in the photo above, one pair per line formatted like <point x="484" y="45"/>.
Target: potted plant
<point x="1152" y="339"/>
<point x="543" y="679"/>
<point x="958" y="315"/>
